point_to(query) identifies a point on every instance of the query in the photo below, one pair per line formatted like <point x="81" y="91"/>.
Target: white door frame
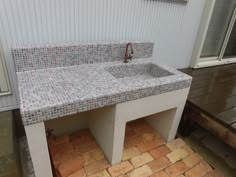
<point x="4" y="79"/>
<point x="198" y="62"/>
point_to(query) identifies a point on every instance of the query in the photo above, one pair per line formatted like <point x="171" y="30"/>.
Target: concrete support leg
<point x="163" y="112"/>
<point x="109" y="132"/>
<point x="166" y="122"/>
<point x="38" y="148"/>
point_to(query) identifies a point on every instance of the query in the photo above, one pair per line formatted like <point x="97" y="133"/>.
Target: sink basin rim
<point x="132" y="70"/>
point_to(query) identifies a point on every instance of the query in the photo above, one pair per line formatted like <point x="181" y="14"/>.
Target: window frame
<point x="196" y="60"/>
<point x="4" y="76"/>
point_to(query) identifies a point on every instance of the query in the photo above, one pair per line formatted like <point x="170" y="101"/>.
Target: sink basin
<point x="142" y="71"/>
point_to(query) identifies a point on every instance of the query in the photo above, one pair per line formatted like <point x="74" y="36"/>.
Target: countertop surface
<point x="56" y="92"/>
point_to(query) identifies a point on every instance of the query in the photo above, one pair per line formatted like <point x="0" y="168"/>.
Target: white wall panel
<point x="172" y="26"/>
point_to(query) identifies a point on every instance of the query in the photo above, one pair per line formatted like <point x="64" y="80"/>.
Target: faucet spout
<point x="128" y="56"/>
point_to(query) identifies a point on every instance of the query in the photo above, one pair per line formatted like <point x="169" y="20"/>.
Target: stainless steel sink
<point x="142" y="71"/>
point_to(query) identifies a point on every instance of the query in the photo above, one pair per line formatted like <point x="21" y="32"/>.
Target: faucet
<point x="128" y="56"/>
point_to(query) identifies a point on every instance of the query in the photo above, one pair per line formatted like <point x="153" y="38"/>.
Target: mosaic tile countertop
<point x="56" y="92"/>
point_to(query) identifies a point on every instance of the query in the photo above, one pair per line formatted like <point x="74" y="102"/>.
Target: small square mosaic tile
<point x="34" y="57"/>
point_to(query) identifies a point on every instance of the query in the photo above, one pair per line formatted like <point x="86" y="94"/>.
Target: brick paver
<point x="160" y="174"/>
<point x="58" y="140"/>
<point x="141" y="159"/>
<point x="58" y="149"/>
<point x="130" y="153"/>
<point x="176" y="144"/>
<point x="79" y="173"/>
<point x="159" y="164"/>
<point x="159" y="152"/>
<point x="92" y="156"/>
<point x="61" y="158"/>
<point x="146" y="154"/>
<point x="96" y="166"/>
<point x="120" y="169"/>
<point x="192" y="160"/>
<point x="83" y="148"/>
<point x="149" y="136"/>
<point x="70" y="166"/>
<point x="132" y="141"/>
<point x="143" y="171"/>
<point x="177" y="155"/>
<point x="103" y="173"/>
<point x="176" y="169"/>
<point x="199" y="170"/>
<point x="187" y="149"/>
<point x="148" y="145"/>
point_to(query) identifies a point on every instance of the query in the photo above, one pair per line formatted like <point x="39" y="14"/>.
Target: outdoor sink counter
<point x="64" y="79"/>
<point x="56" y="92"/>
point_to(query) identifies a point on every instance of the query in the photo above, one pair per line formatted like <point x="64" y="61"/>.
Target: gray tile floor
<point x="27" y="166"/>
<point x="9" y="156"/>
<point x="9" y="166"/>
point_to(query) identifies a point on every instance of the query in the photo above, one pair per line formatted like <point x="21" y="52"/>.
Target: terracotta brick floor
<point x="145" y="154"/>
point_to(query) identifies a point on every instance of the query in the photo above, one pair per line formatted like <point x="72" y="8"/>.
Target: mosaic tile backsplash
<point x="34" y="57"/>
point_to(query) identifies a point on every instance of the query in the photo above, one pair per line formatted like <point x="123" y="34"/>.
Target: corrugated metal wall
<point x="172" y="26"/>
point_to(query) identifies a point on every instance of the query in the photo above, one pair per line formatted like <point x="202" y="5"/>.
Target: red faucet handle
<point x="128" y="56"/>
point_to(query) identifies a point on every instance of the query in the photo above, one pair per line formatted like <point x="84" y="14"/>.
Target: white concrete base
<point x="108" y="131"/>
<point x="164" y="124"/>
<point x="68" y="124"/>
<point x="108" y="124"/>
<point x="38" y="148"/>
